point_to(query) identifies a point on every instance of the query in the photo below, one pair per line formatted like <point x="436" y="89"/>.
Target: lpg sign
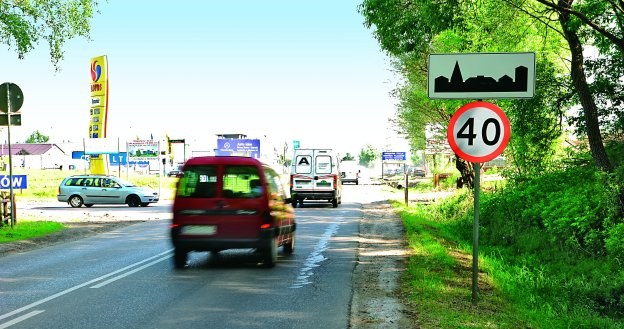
<point x="19" y="181"/>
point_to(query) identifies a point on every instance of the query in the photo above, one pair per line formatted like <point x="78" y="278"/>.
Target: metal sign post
<point x="11" y="211"/>
<point x="475" y="235"/>
<point x="478" y="132"/>
<point x="12" y="103"/>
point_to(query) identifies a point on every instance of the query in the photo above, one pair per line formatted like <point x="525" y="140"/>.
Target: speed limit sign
<point x="479" y="132"/>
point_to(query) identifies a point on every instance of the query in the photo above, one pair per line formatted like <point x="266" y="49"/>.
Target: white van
<point x="315" y="175"/>
<point x="349" y="172"/>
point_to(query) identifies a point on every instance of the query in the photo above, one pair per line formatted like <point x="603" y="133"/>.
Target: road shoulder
<point x="378" y="301"/>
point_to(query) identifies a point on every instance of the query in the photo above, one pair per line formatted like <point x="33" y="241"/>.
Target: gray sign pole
<point x="11" y="199"/>
<point x="475" y="235"/>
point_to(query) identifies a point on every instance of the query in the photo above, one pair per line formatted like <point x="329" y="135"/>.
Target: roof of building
<point x="28" y="149"/>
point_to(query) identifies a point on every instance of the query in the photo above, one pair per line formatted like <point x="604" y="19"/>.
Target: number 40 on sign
<point x="479" y="132"/>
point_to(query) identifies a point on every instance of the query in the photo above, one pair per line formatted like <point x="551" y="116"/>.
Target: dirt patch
<point x="378" y="301"/>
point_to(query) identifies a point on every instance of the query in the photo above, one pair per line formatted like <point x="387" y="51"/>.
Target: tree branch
<point x="585" y="20"/>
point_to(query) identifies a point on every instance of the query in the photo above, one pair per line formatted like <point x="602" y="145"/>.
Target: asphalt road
<point x="125" y="278"/>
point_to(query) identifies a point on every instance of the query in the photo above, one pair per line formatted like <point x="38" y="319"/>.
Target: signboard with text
<point x="393" y="156"/>
<point x="19" y="181"/>
<point x="143" y="150"/>
<point x="479" y="132"/>
<point x="240" y="147"/>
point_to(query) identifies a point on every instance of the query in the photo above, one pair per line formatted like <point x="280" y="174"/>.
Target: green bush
<point x="576" y="208"/>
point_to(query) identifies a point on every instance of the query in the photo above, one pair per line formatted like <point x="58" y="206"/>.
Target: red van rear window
<point x="238" y="181"/>
<point x="241" y="182"/>
<point x="198" y="182"/>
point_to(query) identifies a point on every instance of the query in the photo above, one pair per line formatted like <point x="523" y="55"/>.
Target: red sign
<point x="479" y="132"/>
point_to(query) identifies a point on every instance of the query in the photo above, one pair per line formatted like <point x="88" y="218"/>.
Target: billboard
<point x="143" y="150"/>
<point x="240" y="147"/>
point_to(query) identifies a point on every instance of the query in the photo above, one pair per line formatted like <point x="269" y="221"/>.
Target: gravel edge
<point x="378" y="301"/>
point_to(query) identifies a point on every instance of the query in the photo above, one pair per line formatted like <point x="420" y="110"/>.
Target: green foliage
<point x="368" y="155"/>
<point x="410" y="31"/>
<point x="536" y="124"/>
<point x="24" y="23"/>
<point x="28" y="229"/>
<point x="37" y="137"/>
<point x="551" y="247"/>
<point x="348" y="157"/>
<point x="575" y="208"/>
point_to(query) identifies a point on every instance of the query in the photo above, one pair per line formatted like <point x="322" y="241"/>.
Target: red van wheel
<point x="180" y="257"/>
<point x="270" y="254"/>
<point x="289" y="247"/>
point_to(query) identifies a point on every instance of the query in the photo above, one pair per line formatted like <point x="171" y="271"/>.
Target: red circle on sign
<point x="471" y="153"/>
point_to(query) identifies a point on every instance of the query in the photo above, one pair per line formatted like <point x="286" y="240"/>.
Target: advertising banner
<point x="99" y="108"/>
<point x="143" y="150"/>
<point x="240" y="147"/>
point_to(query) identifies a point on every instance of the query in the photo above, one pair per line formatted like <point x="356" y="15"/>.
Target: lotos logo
<point x="96" y="71"/>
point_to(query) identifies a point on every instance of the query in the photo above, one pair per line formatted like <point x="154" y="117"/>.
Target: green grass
<point x="540" y="285"/>
<point x="24" y="230"/>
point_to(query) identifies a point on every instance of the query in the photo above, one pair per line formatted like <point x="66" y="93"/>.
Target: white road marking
<point x="316" y="256"/>
<point x="20" y="319"/>
<point x="66" y="291"/>
<point x="102" y="284"/>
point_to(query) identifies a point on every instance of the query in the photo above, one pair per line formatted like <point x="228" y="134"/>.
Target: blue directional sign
<point x="241" y="147"/>
<point x="114" y="159"/>
<point x="395" y="156"/>
<point x="19" y="182"/>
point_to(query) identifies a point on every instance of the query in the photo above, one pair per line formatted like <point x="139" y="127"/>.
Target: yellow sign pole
<point x="98" y="110"/>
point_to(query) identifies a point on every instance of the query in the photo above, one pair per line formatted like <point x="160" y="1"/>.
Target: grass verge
<point x="28" y="230"/>
<point x="516" y="290"/>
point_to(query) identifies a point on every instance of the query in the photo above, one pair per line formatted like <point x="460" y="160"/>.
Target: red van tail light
<point x="335" y="180"/>
<point x="292" y="181"/>
<point x="265" y="226"/>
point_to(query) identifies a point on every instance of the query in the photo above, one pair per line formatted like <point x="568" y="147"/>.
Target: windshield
<point x="125" y="183"/>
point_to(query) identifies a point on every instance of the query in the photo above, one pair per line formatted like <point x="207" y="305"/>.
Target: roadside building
<point x="33" y="156"/>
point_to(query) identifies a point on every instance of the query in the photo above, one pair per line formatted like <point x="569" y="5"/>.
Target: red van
<point x="229" y="202"/>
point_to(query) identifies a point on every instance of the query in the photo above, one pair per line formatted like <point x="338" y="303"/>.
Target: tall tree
<point x="368" y="155"/>
<point x="410" y="31"/>
<point x="37" y="137"/>
<point x="596" y="25"/>
<point x="24" y="23"/>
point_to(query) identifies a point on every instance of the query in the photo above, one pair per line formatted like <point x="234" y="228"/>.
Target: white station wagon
<point x="88" y="190"/>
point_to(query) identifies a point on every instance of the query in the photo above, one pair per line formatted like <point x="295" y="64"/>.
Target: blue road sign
<point x="396" y="156"/>
<point x="114" y="159"/>
<point x="19" y="181"/>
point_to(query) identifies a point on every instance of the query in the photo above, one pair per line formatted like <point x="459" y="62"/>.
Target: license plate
<point x="199" y="229"/>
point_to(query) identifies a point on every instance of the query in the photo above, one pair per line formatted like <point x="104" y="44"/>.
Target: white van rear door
<point x="303" y="177"/>
<point x="324" y="180"/>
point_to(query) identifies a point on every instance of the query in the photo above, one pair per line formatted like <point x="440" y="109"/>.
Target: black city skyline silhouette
<point x="482" y="83"/>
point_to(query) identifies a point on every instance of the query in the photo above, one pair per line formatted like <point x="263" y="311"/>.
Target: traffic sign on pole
<point x="11" y="97"/>
<point x="479" y="132"/>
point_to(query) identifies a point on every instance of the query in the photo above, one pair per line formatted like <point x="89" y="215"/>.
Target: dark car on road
<point x="231" y="202"/>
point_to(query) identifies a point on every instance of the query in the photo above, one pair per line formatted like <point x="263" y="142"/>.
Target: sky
<point x="279" y="70"/>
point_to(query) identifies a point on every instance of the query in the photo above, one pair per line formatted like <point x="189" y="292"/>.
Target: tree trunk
<point x="582" y="89"/>
<point x="467" y="173"/>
